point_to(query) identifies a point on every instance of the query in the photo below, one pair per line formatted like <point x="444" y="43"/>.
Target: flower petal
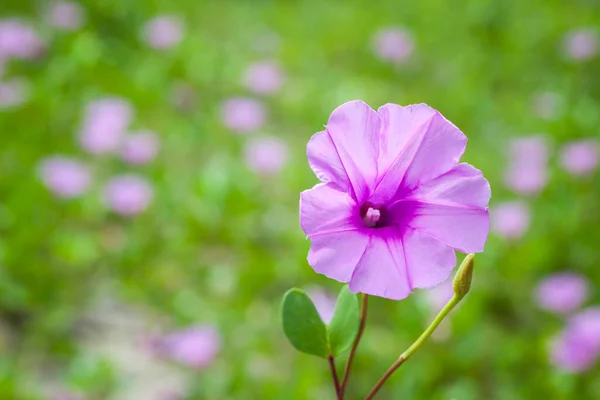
<point x="325" y="162"/>
<point x="462" y="228"/>
<point x="420" y="145"/>
<point x="382" y="269"/>
<point x="463" y="185"/>
<point x="335" y="255"/>
<point x="429" y="261"/>
<point x="326" y="209"/>
<point x="354" y="129"/>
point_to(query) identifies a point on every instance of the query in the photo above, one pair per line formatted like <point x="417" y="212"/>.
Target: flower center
<point x="373" y="216"/>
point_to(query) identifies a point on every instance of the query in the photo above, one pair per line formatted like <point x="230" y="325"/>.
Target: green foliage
<point x="344" y="325"/>
<point x="303" y="325"/>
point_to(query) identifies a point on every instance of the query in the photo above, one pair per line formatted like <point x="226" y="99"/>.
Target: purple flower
<point x="140" y="147"/>
<point x="266" y="155"/>
<point x="440" y="295"/>
<point x="562" y="293"/>
<point x="547" y="105"/>
<point x="393" y="44"/>
<point x="195" y="347"/>
<point x="243" y="115"/>
<point x="19" y="40"/>
<point x="571" y="353"/>
<point x="580" y="44"/>
<point x="163" y="32"/>
<point x="527" y="172"/>
<point x="580" y="157"/>
<point x="13" y="93"/>
<point x="510" y="219"/>
<point x="264" y="77"/>
<point x="105" y="123"/>
<point x="128" y="194"/>
<point x="65" y="15"/>
<point x="586" y="324"/>
<point x="65" y="177"/>
<point x="324" y="302"/>
<point x="394" y="203"/>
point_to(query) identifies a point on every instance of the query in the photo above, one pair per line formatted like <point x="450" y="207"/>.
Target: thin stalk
<point x="361" y="329"/>
<point x="415" y="346"/>
<point x="336" y="381"/>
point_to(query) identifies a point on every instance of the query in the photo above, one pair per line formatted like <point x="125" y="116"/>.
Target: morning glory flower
<point x="562" y="293"/>
<point x="393" y="203"/>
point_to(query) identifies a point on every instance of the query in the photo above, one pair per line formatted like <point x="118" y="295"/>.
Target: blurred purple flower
<point x="163" y="32"/>
<point x="324" y="302"/>
<point x="547" y="105"/>
<point x="571" y="353"/>
<point x="266" y="155"/>
<point x="586" y="324"/>
<point x="128" y="194"/>
<point x="243" y="115"/>
<point x="527" y="171"/>
<point x="195" y="347"/>
<point x="264" y="77"/>
<point x="580" y="157"/>
<point x="510" y="219"/>
<point x="438" y="296"/>
<point x="65" y="15"/>
<point x="393" y="44"/>
<point x="140" y="147"/>
<point x="19" y="40"/>
<point x="105" y="123"/>
<point x="580" y="44"/>
<point x="562" y="293"/>
<point x="13" y="93"/>
<point x="65" y="177"/>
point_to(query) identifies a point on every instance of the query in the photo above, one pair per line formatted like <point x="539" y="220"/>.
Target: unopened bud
<point x="462" y="279"/>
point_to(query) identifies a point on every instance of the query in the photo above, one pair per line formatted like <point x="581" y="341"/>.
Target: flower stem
<point x="336" y="381"/>
<point x="361" y="328"/>
<point x="415" y="346"/>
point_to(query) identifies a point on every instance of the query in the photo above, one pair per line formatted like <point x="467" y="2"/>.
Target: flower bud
<point x="462" y="279"/>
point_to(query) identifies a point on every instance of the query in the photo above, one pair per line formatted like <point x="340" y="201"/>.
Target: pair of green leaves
<point x="307" y="332"/>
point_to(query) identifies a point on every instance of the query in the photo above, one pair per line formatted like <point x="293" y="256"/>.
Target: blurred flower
<point x="393" y="44"/>
<point x="547" y="105"/>
<point x="266" y="155"/>
<point x="243" y="115"/>
<point x="140" y="147"/>
<point x="580" y="157"/>
<point x="163" y="32"/>
<point x="128" y="194"/>
<point x="393" y="203"/>
<point x="324" y="302"/>
<point x="105" y="123"/>
<point x="570" y="353"/>
<point x="194" y="347"/>
<point x="510" y="219"/>
<point x="562" y="293"/>
<point x="440" y="295"/>
<point x="65" y="15"/>
<point x="65" y="177"/>
<point x="580" y="44"/>
<point x="586" y="324"/>
<point x="19" y="40"/>
<point x="264" y="77"/>
<point x="13" y="93"/>
<point x="527" y="172"/>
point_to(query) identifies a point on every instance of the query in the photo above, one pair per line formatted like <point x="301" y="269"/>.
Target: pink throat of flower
<point x="373" y="216"/>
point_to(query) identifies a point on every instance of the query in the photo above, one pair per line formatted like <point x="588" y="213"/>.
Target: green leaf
<point x="302" y="324"/>
<point x="343" y="327"/>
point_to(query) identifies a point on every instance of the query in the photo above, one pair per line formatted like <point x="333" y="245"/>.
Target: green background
<point x="221" y="245"/>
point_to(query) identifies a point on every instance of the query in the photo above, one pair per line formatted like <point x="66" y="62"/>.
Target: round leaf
<point x="302" y="324"/>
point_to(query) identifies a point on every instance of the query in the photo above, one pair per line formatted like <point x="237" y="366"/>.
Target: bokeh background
<point x="151" y="159"/>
